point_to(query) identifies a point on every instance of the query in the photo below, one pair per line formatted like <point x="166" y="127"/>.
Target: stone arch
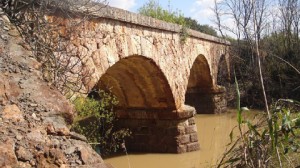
<point x="200" y="86"/>
<point x="139" y="84"/>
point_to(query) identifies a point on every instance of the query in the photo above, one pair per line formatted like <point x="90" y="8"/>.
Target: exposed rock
<point x="19" y="137"/>
<point x="70" y="150"/>
<point x="13" y="113"/>
<point x="23" y="154"/>
<point x="37" y="135"/>
<point x="58" y="155"/>
<point x="87" y="155"/>
<point x="74" y="135"/>
<point x="33" y="130"/>
<point x="57" y="125"/>
<point x="35" y="117"/>
<point x="7" y="154"/>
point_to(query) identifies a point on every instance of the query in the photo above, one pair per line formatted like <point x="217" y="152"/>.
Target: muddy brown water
<point x="213" y="135"/>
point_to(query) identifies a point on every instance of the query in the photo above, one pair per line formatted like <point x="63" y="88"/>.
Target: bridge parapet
<point x="104" y="11"/>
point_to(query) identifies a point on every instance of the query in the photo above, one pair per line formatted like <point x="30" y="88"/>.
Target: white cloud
<point x="123" y="4"/>
<point x="206" y="3"/>
<point x="202" y="11"/>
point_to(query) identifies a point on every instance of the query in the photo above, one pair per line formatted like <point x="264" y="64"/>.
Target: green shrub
<point x="96" y="120"/>
<point x="153" y="9"/>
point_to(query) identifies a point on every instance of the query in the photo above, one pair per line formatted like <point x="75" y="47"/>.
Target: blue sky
<point x="199" y="10"/>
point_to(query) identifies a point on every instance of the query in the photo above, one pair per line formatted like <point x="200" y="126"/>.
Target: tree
<point x="252" y="18"/>
<point x="153" y="9"/>
<point x="193" y="24"/>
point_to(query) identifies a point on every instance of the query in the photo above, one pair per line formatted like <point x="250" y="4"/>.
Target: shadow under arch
<point x="139" y="85"/>
<point x="223" y="73"/>
<point x="200" y="87"/>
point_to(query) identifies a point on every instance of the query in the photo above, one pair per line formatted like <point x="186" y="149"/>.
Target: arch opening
<point x="138" y="84"/>
<point x="199" y="93"/>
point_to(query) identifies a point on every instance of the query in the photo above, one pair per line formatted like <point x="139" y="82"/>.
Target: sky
<point x="199" y="10"/>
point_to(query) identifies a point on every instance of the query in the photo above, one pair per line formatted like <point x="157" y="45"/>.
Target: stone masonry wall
<point x="162" y="136"/>
<point x="117" y="34"/>
<point x="220" y="102"/>
<point x="208" y="102"/>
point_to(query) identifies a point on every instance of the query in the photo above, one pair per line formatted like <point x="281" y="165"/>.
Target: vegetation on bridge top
<point x="153" y="9"/>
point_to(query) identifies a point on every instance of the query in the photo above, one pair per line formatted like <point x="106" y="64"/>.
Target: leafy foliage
<point x="96" y="120"/>
<point x="278" y="48"/>
<point x="284" y="79"/>
<point x="193" y="24"/>
<point x="153" y="9"/>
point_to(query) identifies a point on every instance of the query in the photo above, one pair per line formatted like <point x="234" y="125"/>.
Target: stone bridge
<point x="158" y="73"/>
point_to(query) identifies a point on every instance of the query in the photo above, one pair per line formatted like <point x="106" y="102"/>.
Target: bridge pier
<point x="162" y="132"/>
<point x="207" y="101"/>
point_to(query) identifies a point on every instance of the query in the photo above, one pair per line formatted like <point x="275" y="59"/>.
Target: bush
<point x="153" y="9"/>
<point x="96" y="120"/>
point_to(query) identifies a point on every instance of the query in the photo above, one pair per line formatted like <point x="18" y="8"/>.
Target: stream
<point x="213" y="136"/>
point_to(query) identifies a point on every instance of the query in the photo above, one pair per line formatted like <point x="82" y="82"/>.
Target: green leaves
<point x="95" y="120"/>
<point x="238" y="103"/>
<point x="154" y="10"/>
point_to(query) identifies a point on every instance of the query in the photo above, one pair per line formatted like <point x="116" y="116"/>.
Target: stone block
<point x="192" y="121"/>
<point x="181" y="148"/>
<point x="190" y="129"/>
<point x="183" y="139"/>
<point x="217" y="98"/>
<point x="181" y="130"/>
<point x="193" y="147"/>
<point x="194" y="137"/>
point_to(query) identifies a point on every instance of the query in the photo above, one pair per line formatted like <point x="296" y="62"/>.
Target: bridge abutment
<point x="172" y="132"/>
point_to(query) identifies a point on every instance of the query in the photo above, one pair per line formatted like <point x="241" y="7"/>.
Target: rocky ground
<point x="33" y="129"/>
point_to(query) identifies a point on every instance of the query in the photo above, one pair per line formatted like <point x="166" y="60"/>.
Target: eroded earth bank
<point x="34" y="116"/>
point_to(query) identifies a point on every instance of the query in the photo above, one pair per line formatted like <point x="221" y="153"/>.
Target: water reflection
<point x="213" y="135"/>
